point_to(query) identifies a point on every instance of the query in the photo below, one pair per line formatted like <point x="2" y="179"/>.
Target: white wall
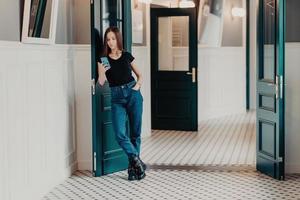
<point x="221" y="82"/>
<point x="9" y="11"/>
<point x="292" y="112"/>
<point x="232" y="34"/>
<point x="73" y="25"/>
<point x="37" y="124"/>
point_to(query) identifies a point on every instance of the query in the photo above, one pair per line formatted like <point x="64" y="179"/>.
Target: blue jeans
<point x="127" y="102"/>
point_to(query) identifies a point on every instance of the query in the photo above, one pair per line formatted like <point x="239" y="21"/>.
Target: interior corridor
<point x="217" y="162"/>
<point x="226" y="141"/>
<point x="177" y="184"/>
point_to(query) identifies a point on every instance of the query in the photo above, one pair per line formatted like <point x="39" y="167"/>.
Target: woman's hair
<point x="119" y="39"/>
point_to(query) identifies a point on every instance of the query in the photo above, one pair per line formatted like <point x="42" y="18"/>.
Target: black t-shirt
<point x="120" y="72"/>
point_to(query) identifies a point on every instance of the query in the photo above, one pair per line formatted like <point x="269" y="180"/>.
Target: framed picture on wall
<point x="138" y="23"/>
<point x="39" y="21"/>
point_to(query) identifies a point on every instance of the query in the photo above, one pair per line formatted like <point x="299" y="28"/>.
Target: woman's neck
<point x="115" y="51"/>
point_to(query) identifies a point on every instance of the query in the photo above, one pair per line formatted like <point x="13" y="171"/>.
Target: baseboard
<point x="292" y="168"/>
<point x="70" y="170"/>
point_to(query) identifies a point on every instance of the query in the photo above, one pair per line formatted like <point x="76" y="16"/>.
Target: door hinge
<point x="95" y="160"/>
<point x="92" y="1"/>
<point x="280" y="159"/>
<point x="93" y="86"/>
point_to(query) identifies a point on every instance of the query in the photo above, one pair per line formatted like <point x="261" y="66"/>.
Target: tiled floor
<point x="217" y="162"/>
<point x="223" y="141"/>
<point x="177" y="184"/>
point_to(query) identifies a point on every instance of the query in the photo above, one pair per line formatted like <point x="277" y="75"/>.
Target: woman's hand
<point x="101" y="73"/>
<point x="137" y="86"/>
<point x="102" y="67"/>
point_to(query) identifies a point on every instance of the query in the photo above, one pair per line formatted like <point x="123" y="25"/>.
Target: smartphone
<point x="105" y="62"/>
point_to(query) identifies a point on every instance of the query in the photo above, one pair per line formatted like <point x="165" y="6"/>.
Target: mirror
<point x="39" y="21"/>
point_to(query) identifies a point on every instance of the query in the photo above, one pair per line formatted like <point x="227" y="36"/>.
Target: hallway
<point x="221" y="142"/>
<point x="177" y="184"/>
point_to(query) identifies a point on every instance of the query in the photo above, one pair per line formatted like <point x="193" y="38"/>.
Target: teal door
<point x="108" y="157"/>
<point x="270" y="90"/>
<point x="174" y="69"/>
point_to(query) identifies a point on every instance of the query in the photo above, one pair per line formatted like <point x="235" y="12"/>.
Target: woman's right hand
<point x="101" y="73"/>
<point x="102" y="67"/>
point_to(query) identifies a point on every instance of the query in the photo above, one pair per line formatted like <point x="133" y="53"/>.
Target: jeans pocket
<point x="135" y="90"/>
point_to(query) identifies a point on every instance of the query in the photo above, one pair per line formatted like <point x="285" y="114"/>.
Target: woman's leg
<point x="119" y="124"/>
<point x="135" y="111"/>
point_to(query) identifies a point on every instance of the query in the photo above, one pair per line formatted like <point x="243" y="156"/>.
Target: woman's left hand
<point x="136" y="87"/>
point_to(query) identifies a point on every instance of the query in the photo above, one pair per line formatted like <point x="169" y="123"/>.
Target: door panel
<point x="270" y="91"/>
<point x="108" y="156"/>
<point x="173" y="69"/>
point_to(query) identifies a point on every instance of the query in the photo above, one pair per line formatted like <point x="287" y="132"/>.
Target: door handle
<point x="93" y="86"/>
<point x="279" y="87"/>
<point x="193" y="73"/>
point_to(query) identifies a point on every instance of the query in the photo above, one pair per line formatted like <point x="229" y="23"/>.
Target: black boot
<point x="143" y="164"/>
<point x="131" y="173"/>
<point x="136" y="163"/>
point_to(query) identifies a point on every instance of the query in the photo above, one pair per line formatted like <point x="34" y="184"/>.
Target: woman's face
<point x="112" y="40"/>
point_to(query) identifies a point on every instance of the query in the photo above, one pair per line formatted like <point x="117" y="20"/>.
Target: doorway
<point x="214" y="39"/>
<point x="266" y="140"/>
<point x="173" y="69"/>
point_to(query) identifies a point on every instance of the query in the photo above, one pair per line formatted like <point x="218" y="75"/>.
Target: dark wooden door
<point x="174" y="68"/>
<point x="270" y="90"/>
<point x="108" y="157"/>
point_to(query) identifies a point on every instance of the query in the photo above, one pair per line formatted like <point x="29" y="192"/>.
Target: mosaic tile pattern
<point x="177" y="184"/>
<point x="222" y="141"/>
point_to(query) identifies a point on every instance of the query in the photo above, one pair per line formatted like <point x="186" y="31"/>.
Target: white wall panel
<point x="37" y="119"/>
<point x="221" y="82"/>
<point x="292" y="107"/>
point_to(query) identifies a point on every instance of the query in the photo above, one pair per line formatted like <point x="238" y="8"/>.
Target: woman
<point x="126" y="99"/>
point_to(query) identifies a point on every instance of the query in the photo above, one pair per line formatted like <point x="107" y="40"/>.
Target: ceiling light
<point x="186" y="4"/>
<point x="145" y="1"/>
<point x="238" y="12"/>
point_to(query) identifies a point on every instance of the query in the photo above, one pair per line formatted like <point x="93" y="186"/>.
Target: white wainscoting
<point x="292" y="107"/>
<point x="83" y="104"/>
<point x="37" y="119"/>
<point x="221" y="81"/>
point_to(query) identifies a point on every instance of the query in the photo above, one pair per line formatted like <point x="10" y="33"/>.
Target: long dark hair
<point x="118" y="34"/>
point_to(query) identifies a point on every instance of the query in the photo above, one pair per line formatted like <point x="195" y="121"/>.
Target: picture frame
<point x="138" y="23"/>
<point x="39" y="21"/>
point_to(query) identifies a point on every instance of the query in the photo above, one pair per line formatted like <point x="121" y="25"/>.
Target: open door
<point x="108" y="156"/>
<point x="174" y="55"/>
<point x="270" y="90"/>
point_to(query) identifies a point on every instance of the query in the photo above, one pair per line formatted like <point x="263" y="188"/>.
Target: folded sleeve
<point x="130" y="57"/>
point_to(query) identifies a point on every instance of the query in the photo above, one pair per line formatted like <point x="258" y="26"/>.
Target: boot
<point x="143" y="164"/>
<point x="136" y="163"/>
<point x="131" y="173"/>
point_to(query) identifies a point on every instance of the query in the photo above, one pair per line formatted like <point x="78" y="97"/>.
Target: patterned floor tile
<point x="177" y="184"/>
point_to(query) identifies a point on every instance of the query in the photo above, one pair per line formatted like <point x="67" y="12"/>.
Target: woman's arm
<point x="101" y="73"/>
<point x="138" y="75"/>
